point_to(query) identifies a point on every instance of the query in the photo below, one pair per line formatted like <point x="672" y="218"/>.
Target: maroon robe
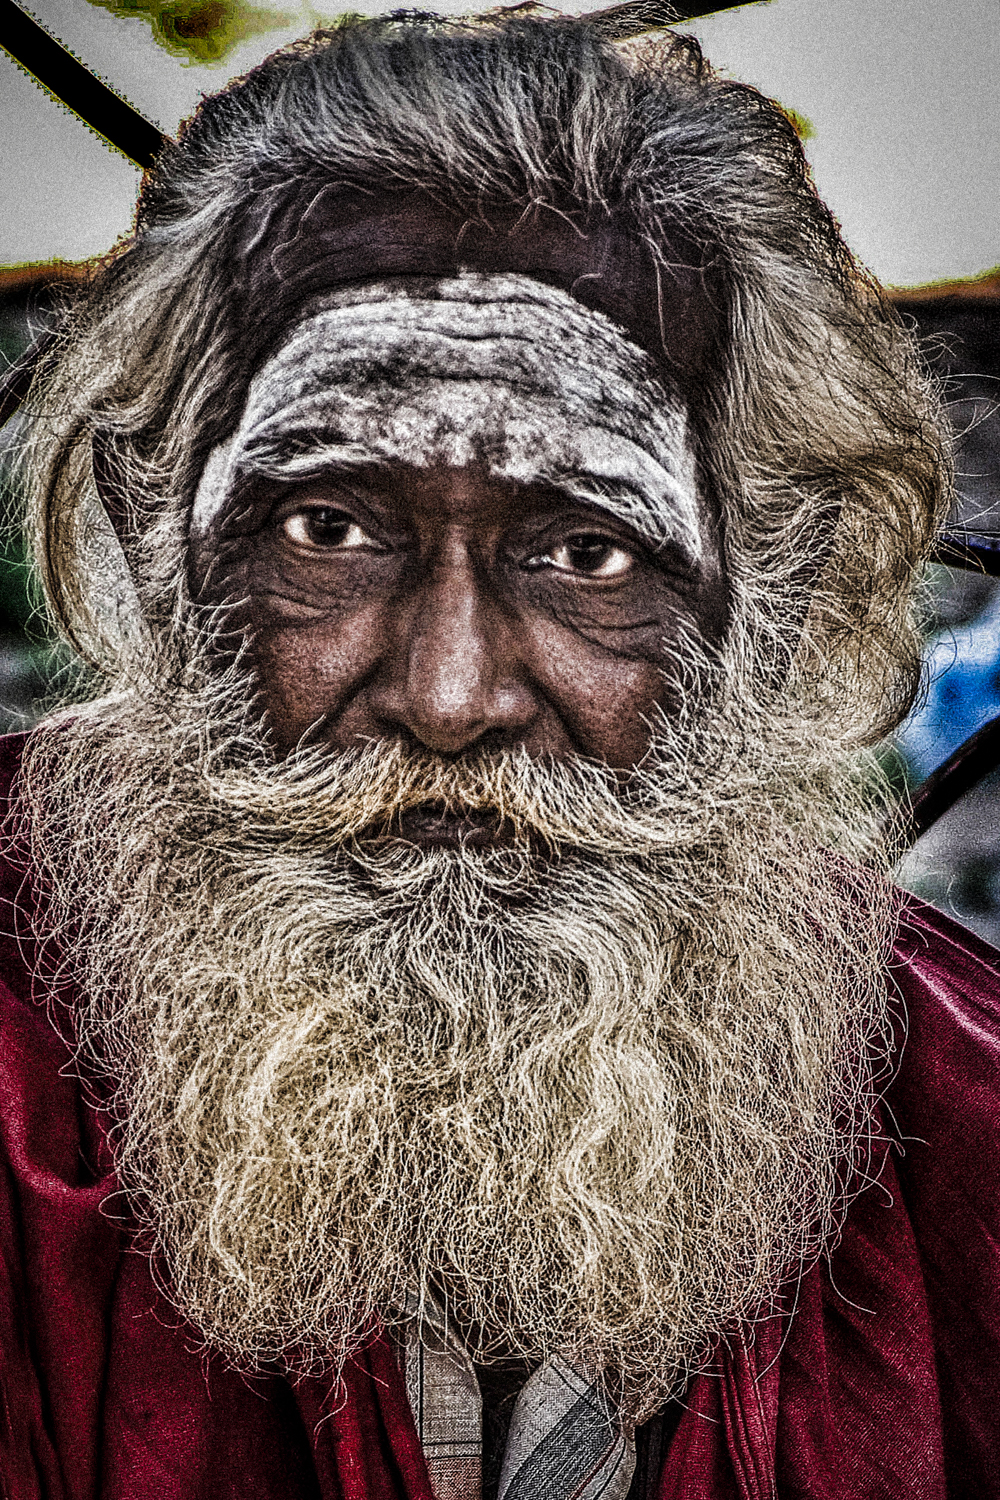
<point x="883" y="1384"/>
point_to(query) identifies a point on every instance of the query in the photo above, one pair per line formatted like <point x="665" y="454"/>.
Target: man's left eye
<point x="324" y="526"/>
<point x="589" y="553"/>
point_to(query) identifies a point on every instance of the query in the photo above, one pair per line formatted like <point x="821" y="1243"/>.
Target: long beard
<point x="602" y="1089"/>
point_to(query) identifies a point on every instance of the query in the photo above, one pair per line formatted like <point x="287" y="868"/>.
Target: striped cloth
<point x="447" y="1407"/>
<point x="565" y="1441"/>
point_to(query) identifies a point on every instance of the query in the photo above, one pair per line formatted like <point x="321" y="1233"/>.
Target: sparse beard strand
<point x="602" y="1088"/>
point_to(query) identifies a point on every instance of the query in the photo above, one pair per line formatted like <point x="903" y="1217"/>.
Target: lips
<point x="434" y="826"/>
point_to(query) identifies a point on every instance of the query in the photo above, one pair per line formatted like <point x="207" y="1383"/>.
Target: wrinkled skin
<point x="457" y="611"/>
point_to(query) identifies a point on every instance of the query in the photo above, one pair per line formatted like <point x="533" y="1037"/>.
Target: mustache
<point x="364" y="794"/>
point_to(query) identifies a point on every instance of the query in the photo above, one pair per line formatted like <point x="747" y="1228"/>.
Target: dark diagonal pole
<point x="637" y="16"/>
<point x="974" y="759"/>
<point x="135" y="137"/>
<point x="63" y="75"/>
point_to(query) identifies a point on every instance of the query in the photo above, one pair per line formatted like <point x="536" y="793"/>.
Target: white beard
<point x="602" y="1099"/>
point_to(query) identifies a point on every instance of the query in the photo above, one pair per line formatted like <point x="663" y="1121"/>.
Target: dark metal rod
<point x="970" y="549"/>
<point x="691" y="12"/>
<point x="57" y="70"/>
<point x="973" y="760"/>
<point x="637" y="16"/>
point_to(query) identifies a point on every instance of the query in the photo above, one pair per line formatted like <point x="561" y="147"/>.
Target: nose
<point x="453" y="677"/>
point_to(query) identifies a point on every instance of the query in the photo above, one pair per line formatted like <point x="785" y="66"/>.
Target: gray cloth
<point x="565" y="1440"/>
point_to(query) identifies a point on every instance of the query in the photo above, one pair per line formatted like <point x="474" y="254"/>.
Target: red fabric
<point x="882" y="1384"/>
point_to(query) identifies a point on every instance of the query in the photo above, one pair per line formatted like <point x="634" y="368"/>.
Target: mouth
<point x="432" y="825"/>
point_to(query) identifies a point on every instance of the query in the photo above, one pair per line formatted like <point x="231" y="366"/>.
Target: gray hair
<point x="815" y="430"/>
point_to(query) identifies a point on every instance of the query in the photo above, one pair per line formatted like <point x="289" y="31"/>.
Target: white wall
<point x="904" y="97"/>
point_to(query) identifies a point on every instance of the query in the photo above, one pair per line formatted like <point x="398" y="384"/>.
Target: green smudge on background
<point x="201" y="31"/>
<point x="801" y="124"/>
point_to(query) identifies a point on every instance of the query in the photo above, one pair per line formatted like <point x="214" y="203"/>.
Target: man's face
<point x="456" y="611"/>
<point x="465" y="514"/>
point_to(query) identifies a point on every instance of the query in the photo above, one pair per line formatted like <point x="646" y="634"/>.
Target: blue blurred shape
<point x="962" y="667"/>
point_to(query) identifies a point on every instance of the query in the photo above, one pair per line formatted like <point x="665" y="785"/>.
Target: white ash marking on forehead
<point x="502" y="371"/>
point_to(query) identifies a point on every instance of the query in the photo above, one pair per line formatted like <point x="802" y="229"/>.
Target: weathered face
<point x="457" y="611"/>
<point x="504" y="546"/>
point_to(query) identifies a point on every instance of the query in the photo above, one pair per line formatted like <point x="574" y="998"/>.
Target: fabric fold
<point x="566" y="1440"/>
<point x="447" y="1407"/>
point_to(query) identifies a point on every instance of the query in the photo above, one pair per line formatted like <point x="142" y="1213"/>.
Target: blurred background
<point x="898" y="105"/>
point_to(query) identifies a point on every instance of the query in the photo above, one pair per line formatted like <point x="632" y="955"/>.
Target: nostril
<point x="403" y="736"/>
<point x="493" y="741"/>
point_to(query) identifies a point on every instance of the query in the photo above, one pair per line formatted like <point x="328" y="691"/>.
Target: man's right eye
<point x="324" y="527"/>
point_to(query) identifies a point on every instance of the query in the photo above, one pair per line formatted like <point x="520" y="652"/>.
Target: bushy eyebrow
<point x="623" y="502"/>
<point x="286" y="458"/>
<point x="294" y="458"/>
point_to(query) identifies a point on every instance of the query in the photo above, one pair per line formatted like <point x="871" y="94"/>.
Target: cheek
<point x="606" y="698"/>
<point x="311" y="647"/>
<point x="610" y="675"/>
<point x="611" y="712"/>
<point x="309" y="670"/>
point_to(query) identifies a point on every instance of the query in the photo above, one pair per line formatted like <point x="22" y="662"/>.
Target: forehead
<point x="297" y="243"/>
<point x="498" y="372"/>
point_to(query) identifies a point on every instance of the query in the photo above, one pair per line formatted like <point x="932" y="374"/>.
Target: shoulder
<point x="943" y="1108"/>
<point x="11" y="750"/>
<point x="52" y="1144"/>
<point x="44" y="1124"/>
<point x="946" y="1091"/>
<point x="15" y="947"/>
<point x="949" y="983"/>
<point x="32" y="1053"/>
<point x="937" y="951"/>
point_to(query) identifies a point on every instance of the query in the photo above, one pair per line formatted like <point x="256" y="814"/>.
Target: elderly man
<point x="484" y="1052"/>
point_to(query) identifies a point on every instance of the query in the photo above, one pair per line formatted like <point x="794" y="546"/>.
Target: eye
<point x="587" y="552"/>
<point x="324" y="526"/>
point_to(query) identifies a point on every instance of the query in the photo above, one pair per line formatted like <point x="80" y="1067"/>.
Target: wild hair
<point x="815" y="431"/>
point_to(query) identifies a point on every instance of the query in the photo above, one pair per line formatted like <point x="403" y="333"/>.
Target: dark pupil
<point x="588" y="552"/>
<point x="327" y="525"/>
